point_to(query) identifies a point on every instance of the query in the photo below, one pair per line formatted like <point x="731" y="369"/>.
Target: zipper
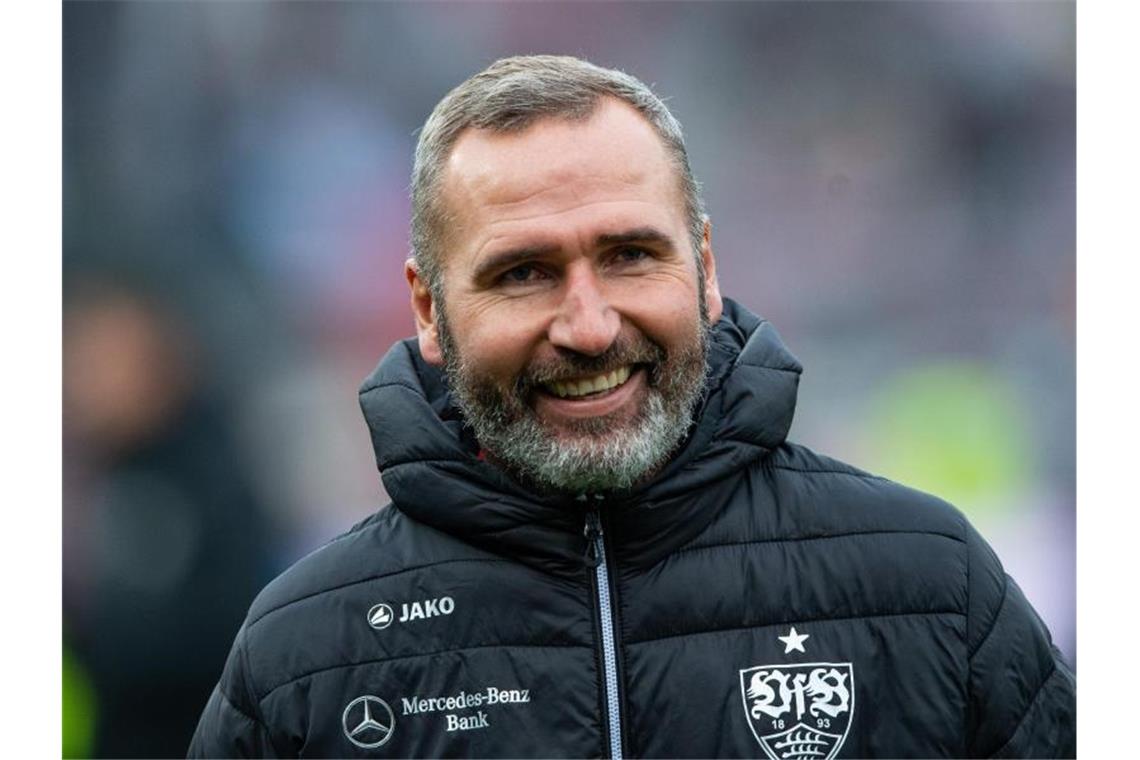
<point x="596" y="558"/>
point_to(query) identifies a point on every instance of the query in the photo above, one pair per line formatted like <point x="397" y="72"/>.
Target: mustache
<point x="570" y="364"/>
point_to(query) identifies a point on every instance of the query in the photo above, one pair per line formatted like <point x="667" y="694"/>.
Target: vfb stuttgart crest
<point x="800" y="710"/>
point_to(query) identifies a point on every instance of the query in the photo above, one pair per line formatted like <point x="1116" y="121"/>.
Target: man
<point x="599" y="541"/>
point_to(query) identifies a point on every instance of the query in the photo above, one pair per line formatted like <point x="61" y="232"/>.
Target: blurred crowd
<point x="892" y="184"/>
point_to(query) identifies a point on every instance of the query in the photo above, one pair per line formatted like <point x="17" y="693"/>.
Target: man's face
<point x="571" y="330"/>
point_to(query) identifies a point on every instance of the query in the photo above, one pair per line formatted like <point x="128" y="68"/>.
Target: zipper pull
<point x="593" y="532"/>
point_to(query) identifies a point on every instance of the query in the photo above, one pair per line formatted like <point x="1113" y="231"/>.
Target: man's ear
<point x="711" y="286"/>
<point x="424" y="309"/>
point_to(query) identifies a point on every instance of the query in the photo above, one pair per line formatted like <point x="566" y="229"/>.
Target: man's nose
<point x="585" y="322"/>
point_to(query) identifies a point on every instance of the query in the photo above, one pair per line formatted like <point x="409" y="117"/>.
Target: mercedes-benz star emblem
<point x="368" y="722"/>
<point x="380" y="616"/>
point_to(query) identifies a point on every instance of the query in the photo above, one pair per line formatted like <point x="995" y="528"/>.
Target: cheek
<point x="497" y="348"/>
<point x="669" y="314"/>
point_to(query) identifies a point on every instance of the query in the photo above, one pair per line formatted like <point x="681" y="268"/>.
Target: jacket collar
<point x="431" y="468"/>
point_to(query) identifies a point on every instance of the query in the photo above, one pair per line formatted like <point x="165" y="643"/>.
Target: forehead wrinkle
<point x="568" y="199"/>
<point x="563" y="186"/>
<point x="544" y="214"/>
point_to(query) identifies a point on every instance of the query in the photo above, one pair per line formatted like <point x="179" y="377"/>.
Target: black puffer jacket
<point x="473" y="618"/>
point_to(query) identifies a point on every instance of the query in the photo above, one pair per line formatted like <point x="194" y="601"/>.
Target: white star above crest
<point x="794" y="641"/>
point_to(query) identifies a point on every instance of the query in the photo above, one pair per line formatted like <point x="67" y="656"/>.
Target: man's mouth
<point x="591" y="385"/>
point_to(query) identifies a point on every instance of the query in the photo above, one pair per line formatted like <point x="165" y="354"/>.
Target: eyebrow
<point x="509" y="258"/>
<point x="636" y="235"/>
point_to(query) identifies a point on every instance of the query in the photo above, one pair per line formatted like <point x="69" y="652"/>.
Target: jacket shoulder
<point x="317" y="614"/>
<point x="383" y="544"/>
<point x="858" y="500"/>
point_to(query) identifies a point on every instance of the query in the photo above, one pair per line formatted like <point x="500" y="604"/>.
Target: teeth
<point x="586" y="385"/>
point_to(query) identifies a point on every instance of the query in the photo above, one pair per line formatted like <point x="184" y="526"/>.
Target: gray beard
<point x="597" y="454"/>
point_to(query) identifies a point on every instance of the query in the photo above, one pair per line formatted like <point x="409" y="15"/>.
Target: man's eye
<point x="632" y="253"/>
<point x="524" y="273"/>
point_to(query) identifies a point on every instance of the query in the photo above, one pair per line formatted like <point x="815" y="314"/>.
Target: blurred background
<point x="892" y="184"/>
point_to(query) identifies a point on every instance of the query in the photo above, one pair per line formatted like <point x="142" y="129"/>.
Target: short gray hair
<point x="509" y="96"/>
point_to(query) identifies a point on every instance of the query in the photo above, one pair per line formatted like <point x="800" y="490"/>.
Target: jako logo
<point x="380" y="616"/>
<point x="444" y="605"/>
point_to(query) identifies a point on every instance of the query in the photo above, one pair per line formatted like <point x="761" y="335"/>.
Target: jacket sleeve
<point x="1022" y="695"/>
<point x="230" y="725"/>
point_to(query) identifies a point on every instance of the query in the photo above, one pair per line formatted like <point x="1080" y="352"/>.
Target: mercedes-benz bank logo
<point x="380" y="616"/>
<point x="368" y="722"/>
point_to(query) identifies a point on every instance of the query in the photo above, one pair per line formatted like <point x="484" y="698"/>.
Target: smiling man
<point x="573" y="324"/>
<point x="600" y="541"/>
